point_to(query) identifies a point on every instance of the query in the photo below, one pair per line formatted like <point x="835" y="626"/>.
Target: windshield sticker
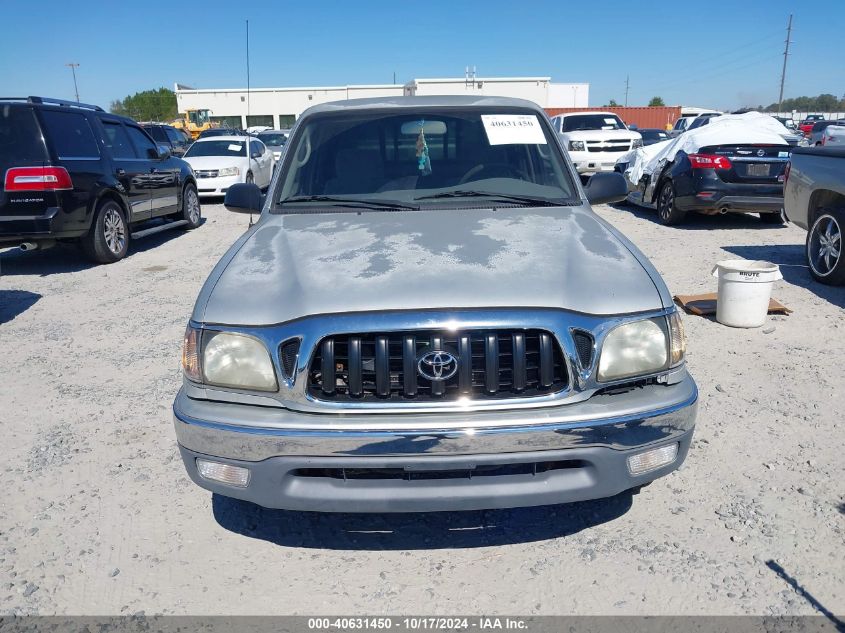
<point x="610" y="121"/>
<point x="235" y="148"/>
<point x="513" y="129"/>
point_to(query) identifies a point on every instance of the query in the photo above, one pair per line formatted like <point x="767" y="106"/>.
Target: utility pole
<point x="785" y="55"/>
<point x="247" y="72"/>
<point x="73" y="68"/>
<point x="627" y="85"/>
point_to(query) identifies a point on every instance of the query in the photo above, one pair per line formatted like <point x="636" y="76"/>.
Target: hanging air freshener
<point x="423" y="160"/>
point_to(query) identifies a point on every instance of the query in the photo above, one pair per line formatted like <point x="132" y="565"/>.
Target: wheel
<point x="190" y="208"/>
<point x="108" y="239"/>
<point x="772" y="218"/>
<point x="667" y="212"/>
<point x="249" y="177"/>
<point x="824" y="247"/>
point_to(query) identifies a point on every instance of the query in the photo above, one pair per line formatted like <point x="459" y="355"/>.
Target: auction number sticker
<point x="513" y="129"/>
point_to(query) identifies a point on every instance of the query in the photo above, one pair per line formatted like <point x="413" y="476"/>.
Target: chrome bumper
<point x="640" y="417"/>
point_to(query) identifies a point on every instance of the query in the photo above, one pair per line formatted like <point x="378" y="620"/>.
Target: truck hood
<point x="600" y="135"/>
<point x="292" y="266"/>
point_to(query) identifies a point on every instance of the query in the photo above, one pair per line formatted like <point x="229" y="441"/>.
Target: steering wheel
<point x="493" y="170"/>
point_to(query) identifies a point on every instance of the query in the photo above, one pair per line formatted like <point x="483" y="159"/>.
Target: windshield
<point x="415" y="157"/>
<point x="217" y="148"/>
<point x="273" y="138"/>
<point x="576" y="122"/>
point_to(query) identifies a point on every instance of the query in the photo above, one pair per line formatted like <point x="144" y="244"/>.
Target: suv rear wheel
<point x="824" y="247"/>
<point x="667" y="212"/>
<point x="108" y="239"/>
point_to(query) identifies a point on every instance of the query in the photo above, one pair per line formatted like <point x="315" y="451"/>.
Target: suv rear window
<point x="20" y="139"/>
<point x="70" y="134"/>
<point x="157" y="133"/>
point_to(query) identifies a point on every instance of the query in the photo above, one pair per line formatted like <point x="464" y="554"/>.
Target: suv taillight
<point x="709" y="161"/>
<point x="37" y="179"/>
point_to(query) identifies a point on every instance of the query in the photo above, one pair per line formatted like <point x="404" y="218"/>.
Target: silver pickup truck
<point x="429" y="316"/>
<point x="814" y="199"/>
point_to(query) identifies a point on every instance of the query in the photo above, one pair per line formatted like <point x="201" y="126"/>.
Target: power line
<point x="785" y="56"/>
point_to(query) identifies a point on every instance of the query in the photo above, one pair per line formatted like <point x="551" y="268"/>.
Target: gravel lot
<point x="97" y="515"/>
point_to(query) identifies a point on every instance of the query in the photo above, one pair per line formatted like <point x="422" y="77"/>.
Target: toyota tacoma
<point x="428" y="316"/>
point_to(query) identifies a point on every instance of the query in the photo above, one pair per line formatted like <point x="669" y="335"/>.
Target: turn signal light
<point x="190" y="357"/>
<point x="223" y="473"/>
<point x="38" y="179"/>
<point x="642" y="463"/>
<point x="709" y="161"/>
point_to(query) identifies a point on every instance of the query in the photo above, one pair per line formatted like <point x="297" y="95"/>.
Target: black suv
<point x="169" y="136"/>
<point x="72" y="172"/>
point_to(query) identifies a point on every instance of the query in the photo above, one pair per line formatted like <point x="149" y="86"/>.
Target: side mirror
<point x="606" y="187"/>
<point x="162" y="151"/>
<point x="244" y="197"/>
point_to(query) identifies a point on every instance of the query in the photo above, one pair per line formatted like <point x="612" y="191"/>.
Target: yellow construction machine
<point x="194" y="122"/>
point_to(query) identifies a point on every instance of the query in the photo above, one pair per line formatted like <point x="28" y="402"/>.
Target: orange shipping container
<point x="643" y="117"/>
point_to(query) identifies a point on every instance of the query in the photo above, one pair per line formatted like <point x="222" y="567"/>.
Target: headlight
<point x="229" y="171"/>
<point x="638" y="142"/>
<point x="576" y="146"/>
<point x="634" y="349"/>
<point x="236" y="360"/>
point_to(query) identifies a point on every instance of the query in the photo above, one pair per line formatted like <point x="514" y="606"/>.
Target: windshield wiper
<point x="461" y="193"/>
<point x="352" y="202"/>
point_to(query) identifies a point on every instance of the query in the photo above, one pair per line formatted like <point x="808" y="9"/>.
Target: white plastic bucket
<point x="745" y="288"/>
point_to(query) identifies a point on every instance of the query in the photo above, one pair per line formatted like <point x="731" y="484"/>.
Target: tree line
<point x="823" y="103"/>
<point x="148" y="105"/>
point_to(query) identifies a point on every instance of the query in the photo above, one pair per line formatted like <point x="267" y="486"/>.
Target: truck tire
<point x="191" y="210"/>
<point x="108" y="239"/>
<point x="824" y="247"/>
<point x="667" y="213"/>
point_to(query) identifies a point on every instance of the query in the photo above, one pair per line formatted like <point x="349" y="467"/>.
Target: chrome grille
<point x="611" y="145"/>
<point x="491" y="364"/>
<point x="206" y="173"/>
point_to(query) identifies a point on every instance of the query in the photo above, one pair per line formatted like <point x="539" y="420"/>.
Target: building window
<point x="259" y="119"/>
<point x="227" y="121"/>
<point x="286" y="120"/>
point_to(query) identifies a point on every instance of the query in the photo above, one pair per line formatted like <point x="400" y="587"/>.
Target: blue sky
<point x="724" y="54"/>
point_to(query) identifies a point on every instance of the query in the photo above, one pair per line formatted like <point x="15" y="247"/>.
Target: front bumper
<point x="207" y="187"/>
<point x="592" y="162"/>
<point x="477" y="466"/>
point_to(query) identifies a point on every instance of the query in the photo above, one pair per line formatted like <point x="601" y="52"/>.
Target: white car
<point x="222" y="161"/>
<point x="833" y="135"/>
<point x="595" y="140"/>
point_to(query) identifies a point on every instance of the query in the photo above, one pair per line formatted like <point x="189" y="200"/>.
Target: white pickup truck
<point x="595" y="140"/>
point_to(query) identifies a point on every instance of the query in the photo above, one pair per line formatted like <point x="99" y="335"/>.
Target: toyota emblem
<point x="437" y="365"/>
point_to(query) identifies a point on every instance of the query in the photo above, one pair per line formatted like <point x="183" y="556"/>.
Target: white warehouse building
<point x="280" y="107"/>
